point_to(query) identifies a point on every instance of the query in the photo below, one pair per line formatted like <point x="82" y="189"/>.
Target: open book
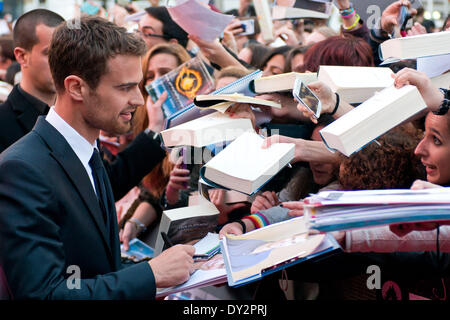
<point x="355" y="84"/>
<point x="206" y="130"/>
<point x="280" y="82"/>
<point x="186" y="224"/>
<point x="210" y="101"/>
<point x="423" y="45"/>
<point x="244" y="165"/>
<point x="342" y="210"/>
<point x="182" y="85"/>
<point x="377" y="115"/>
<point x="255" y="254"/>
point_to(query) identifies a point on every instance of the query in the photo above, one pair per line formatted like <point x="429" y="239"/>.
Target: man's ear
<point x="75" y="87"/>
<point x="173" y="40"/>
<point x="22" y="56"/>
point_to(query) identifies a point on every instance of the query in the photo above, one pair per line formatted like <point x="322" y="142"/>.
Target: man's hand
<point x="173" y="266"/>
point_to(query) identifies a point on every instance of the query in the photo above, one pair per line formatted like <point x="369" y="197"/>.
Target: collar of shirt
<point x="82" y="148"/>
<point x="40" y="105"/>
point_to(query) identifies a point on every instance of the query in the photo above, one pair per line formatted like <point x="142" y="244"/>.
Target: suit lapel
<point x="27" y="114"/>
<point x="66" y="157"/>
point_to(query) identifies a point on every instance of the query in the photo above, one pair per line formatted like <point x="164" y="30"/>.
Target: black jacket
<point x="50" y="219"/>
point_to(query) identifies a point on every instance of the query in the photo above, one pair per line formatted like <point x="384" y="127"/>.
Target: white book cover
<point x="385" y="110"/>
<point x="423" y="45"/>
<point x="245" y="166"/>
<point x="355" y="84"/>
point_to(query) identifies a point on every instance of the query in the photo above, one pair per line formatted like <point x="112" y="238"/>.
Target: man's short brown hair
<point x="83" y="48"/>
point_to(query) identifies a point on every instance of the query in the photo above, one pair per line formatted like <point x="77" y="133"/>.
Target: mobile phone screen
<point x="305" y="96"/>
<point x="403" y="17"/>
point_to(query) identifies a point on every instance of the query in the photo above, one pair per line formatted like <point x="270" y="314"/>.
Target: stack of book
<point x="342" y="210"/>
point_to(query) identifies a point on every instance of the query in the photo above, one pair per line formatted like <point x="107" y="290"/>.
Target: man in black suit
<point x="57" y="216"/>
<point x="36" y="92"/>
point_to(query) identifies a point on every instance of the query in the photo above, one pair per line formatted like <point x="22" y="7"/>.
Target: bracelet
<point x="349" y="16"/>
<point x="337" y="104"/>
<point x="445" y="105"/>
<point x="244" y="228"/>
<point x="354" y="23"/>
<point x="139" y="225"/>
<point x="349" y="9"/>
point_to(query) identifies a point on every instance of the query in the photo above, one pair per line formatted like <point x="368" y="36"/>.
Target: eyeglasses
<point x="149" y="35"/>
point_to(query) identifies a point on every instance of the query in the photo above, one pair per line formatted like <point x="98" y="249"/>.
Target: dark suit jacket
<point x="18" y="114"/>
<point x="50" y="219"/>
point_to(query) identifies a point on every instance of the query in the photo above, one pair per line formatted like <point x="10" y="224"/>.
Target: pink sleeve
<point x="381" y="239"/>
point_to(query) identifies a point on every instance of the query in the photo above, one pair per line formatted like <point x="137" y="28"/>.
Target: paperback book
<point x="182" y="84"/>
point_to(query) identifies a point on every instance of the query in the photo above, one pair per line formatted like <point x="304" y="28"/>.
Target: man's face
<point x="38" y="69"/>
<point x="111" y="106"/>
<point x="151" y="31"/>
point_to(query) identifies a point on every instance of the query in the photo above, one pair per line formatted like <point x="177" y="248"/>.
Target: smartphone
<point x="248" y="26"/>
<point x="403" y="18"/>
<point x="305" y="96"/>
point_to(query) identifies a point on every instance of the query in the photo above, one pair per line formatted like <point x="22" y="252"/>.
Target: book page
<point x="199" y="20"/>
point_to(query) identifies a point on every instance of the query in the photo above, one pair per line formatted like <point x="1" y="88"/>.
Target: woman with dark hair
<point x="387" y="163"/>
<point x="295" y="59"/>
<point x="338" y="51"/>
<point x="253" y="53"/>
<point x="273" y="62"/>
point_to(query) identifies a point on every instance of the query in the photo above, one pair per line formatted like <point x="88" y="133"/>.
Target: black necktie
<point x="99" y="175"/>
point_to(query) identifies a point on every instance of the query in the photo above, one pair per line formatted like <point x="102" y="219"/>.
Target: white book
<point x="280" y="82"/>
<point x="183" y="225"/>
<point x="377" y="115"/>
<point x="412" y="47"/>
<point x="245" y="166"/>
<point x="281" y="13"/>
<point x="264" y="19"/>
<point x="210" y="129"/>
<point x="355" y="84"/>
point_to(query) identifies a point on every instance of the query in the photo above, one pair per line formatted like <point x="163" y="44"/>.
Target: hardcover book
<point x="183" y="225"/>
<point x="245" y="166"/>
<point x="377" y="115"/>
<point x="355" y="84"/>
